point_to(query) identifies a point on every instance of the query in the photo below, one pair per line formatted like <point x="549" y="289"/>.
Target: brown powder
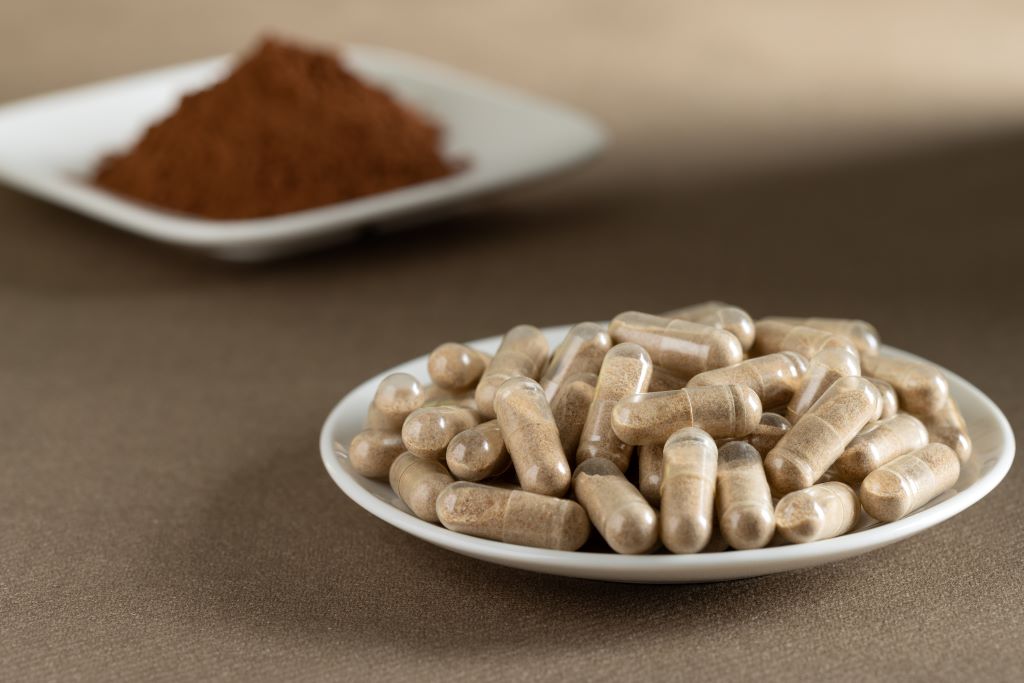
<point x="289" y="129"/>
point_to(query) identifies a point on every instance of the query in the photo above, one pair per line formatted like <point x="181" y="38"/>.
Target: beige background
<point x="164" y="513"/>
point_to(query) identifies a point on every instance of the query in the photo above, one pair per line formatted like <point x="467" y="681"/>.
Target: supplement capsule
<point x="890" y="403"/>
<point x="397" y="395"/>
<point x="456" y="367"/>
<point x="816" y="513"/>
<point x="899" y="487"/>
<point x="823" y="371"/>
<point x="922" y="388"/>
<point x="523" y="353"/>
<point x="679" y="346"/>
<point x="742" y="498"/>
<point x="773" y="336"/>
<point x="373" y="450"/>
<point x="719" y="315"/>
<point x="428" y="431"/>
<point x="879" y="443"/>
<point x="729" y="411"/>
<point x="649" y="461"/>
<point x="513" y="516"/>
<point x="807" y="450"/>
<point x="862" y="334"/>
<point x="418" y="482"/>
<point x="626" y="370"/>
<point x="570" y="407"/>
<point x="580" y="353"/>
<point x="478" y="453"/>
<point x="688" y="490"/>
<point x="619" y="513"/>
<point x="948" y="427"/>
<point x="531" y="437"/>
<point x="773" y="377"/>
<point x="663" y="380"/>
<point x="768" y="432"/>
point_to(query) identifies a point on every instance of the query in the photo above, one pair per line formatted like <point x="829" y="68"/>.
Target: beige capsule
<point x="428" y="431"/>
<point x="663" y="380"/>
<point x="372" y="451"/>
<point x="890" y="403"/>
<point x="768" y="432"/>
<point x="649" y="471"/>
<point x="922" y="388"/>
<point x="396" y="396"/>
<point x="523" y="353"/>
<point x="626" y="370"/>
<point x="899" y="487"/>
<point x="513" y="516"/>
<point x="879" y="443"/>
<point x="862" y="334"/>
<point x="816" y="513"/>
<point x="580" y="353"/>
<point x="729" y="411"/>
<point x="570" y="407"/>
<point x="773" y="377"/>
<point x="721" y="315"/>
<point x="774" y="336"/>
<point x="619" y="513"/>
<point x="456" y="367"/>
<point x="436" y="396"/>
<point x="742" y="497"/>
<point x="948" y="427"/>
<point x="531" y="437"/>
<point x="478" y="453"/>
<point x="688" y="490"/>
<point x="807" y="450"/>
<point x="418" y="483"/>
<point x="680" y="346"/>
<point x="822" y="372"/>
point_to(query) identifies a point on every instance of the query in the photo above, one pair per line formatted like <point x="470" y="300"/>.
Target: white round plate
<point x="993" y="454"/>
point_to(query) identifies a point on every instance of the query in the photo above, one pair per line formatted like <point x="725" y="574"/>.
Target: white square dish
<point x="49" y="145"/>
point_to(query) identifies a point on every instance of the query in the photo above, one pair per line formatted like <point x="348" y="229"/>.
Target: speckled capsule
<point x="663" y="380"/>
<point x="580" y="353"/>
<point x="396" y="396"/>
<point x="513" y="516"/>
<point x="478" y="453"/>
<point x="922" y="388"/>
<point x="372" y="451"/>
<point x="626" y="370"/>
<point x="723" y="316"/>
<point x="947" y="426"/>
<point x="428" y="431"/>
<point x="768" y="432"/>
<point x="822" y="372"/>
<point x="879" y="443"/>
<point x="773" y="377"/>
<point x="570" y="406"/>
<point x="523" y="353"/>
<point x="680" y="346"/>
<point x="722" y="411"/>
<point x="649" y="461"/>
<point x="456" y="367"/>
<point x="899" y="487"/>
<point x="890" y="403"/>
<point x="418" y="483"/>
<point x="531" y="437"/>
<point x="742" y="497"/>
<point x="862" y="334"/>
<point x="688" y="490"/>
<point x="617" y="510"/>
<point x="816" y="513"/>
<point x="807" y="450"/>
<point x="774" y="336"/>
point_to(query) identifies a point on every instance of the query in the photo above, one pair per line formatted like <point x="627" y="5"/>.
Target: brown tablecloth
<point x="163" y="509"/>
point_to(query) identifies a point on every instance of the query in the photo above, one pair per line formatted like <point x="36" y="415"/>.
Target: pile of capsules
<point x="744" y="434"/>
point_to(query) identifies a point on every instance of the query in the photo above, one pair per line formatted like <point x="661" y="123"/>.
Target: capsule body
<point x="372" y="451"/>
<point x="922" y="388"/>
<point x="418" y="482"/>
<point x="649" y="471"/>
<point x="688" y="490"/>
<point x="569" y="407"/>
<point x="947" y="426"/>
<point x="822" y="372"/>
<point x="619" y="513"/>
<point x="768" y="432"/>
<point x="890" y="403"/>
<point x="626" y="370"/>
<point x="428" y="431"/>
<point x="861" y="334"/>
<point x="720" y="315"/>
<point x="773" y="377"/>
<point x="456" y="367"/>
<point x="478" y="453"/>
<point x="523" y="353"/>
<point x="807" y="450"/>
<point x="397" y="395"/>
<point x="513" y="516"/>
<point x="722" y="411"/>
<point x="531" y="437"/>
<point x="663" y="380"/>
<point x="879" y="443"/>
<point x="899" y="487"/>
<point x="580" y="353"/>
<point x="679" y="346"/>
<point x="816" y="513"/>
<point x="744" y="502"/>
<point x="774" y="336"/>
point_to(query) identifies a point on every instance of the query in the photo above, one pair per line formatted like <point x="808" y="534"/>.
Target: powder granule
<point x="288" y="129"/>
